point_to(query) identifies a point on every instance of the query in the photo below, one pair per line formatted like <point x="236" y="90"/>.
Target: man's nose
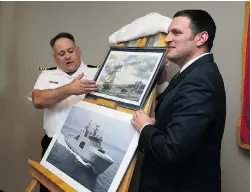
<point x="67" y="56"/>
<point x="168" y="38"/>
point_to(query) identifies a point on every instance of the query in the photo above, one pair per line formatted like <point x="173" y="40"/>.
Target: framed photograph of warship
<point x="128" y="75"/>
<point x="92" y="150"/>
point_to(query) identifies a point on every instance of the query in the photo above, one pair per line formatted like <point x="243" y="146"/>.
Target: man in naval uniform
<point x="57" y="90"/>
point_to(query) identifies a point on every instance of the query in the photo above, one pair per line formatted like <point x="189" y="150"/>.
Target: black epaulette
<point x="47" y="68"/>
<point x="93" y="66"/>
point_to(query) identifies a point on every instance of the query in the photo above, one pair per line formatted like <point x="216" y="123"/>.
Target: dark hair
<point x="200" y="20"/>
<point x="59" y="36"/>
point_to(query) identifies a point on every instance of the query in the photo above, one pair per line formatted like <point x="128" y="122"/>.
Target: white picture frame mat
<point x="122" y="116"/>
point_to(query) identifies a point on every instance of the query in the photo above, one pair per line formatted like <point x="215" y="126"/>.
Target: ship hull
<point x="89" y="154"/>
<point x="95" y="158"/>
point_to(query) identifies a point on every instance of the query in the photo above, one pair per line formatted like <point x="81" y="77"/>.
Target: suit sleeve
<point x="193" y="108"/>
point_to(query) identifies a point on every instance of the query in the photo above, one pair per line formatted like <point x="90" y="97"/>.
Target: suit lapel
<point x="182" y="75"/>
<point x="174" y="82"/>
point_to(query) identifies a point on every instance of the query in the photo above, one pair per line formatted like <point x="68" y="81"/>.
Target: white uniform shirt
<point x="55" y="117"/>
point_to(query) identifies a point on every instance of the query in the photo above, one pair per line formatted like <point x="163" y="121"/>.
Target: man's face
<point x="180" y="40"/>
<point x="66" y="55"/>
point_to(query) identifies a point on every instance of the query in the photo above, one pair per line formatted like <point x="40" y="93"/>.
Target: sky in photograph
<point x="135" y="67"/>
<point x="114" y="132"/>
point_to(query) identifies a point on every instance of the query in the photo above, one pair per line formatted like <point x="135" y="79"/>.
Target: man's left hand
<point x="140" y="119"/>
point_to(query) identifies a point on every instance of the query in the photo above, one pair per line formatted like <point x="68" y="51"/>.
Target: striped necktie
<point x="175" y="76"/>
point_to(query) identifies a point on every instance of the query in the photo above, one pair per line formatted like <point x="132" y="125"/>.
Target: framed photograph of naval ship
<point x="93" y="149"/>
<point x="128" y="75"/>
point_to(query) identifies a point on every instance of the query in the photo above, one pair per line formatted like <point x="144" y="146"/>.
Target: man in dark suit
<point x="182" y="144"/>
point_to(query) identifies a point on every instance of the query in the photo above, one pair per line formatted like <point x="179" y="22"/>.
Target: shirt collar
<point x="78" y="72"/>
<point x="192" y="61"/>
<point x="82" y="68"/>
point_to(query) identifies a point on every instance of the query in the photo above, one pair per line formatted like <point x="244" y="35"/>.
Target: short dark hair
<point x="200" y="21"/>
<point x="59" y="36"/>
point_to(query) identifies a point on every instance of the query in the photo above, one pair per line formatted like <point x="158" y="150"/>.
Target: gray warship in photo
<point x="88" y="145"/>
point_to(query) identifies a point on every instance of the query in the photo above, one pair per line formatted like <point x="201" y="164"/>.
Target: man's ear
<point x="78" y="50"/>
<point x="202" y="38"/>
<point x="54" y="58"/>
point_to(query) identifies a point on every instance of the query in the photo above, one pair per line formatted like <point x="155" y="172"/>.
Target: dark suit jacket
<point x="182" y="149"/>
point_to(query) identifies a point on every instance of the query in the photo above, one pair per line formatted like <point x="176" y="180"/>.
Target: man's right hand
<point x="81" y="86"/>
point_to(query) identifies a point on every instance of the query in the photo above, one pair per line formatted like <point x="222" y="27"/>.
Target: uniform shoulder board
<point x="47" y="68"/>
<point x="93" y="66"/>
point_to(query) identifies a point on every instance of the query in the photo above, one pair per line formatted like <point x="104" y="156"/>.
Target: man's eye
<point x="176" y="32"/>
<point x="70" y="51"/>
<point x="61" y="53"/>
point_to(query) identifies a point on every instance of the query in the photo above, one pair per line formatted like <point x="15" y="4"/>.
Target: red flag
<point x="244" y="121"/>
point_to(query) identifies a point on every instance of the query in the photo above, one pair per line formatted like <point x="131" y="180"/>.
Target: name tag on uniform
<point x="54" y="82"/>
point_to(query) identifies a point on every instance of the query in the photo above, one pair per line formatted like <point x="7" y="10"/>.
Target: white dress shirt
<point x="192" y="61"/>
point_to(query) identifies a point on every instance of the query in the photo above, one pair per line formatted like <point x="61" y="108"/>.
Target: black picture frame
<point x="128" y="75"/>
